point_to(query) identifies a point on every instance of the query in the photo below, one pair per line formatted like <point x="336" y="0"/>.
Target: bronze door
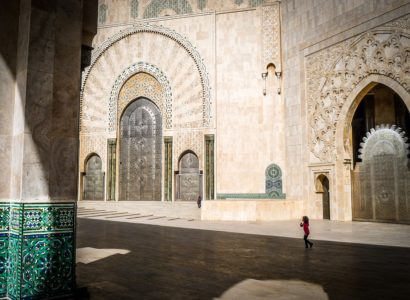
<point x="326" y="201"/>
<point x="93" y="179"/>
<point x="189" y="180"/>
<point x="140" y="152"/>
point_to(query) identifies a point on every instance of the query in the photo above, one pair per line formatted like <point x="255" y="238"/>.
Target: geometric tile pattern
<point x="155" y="8"/>
<point x="4" y="263"/>
<point x="273" y="182"/>
<point x="36" y="250"/>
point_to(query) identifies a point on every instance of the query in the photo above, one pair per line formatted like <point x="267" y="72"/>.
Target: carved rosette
<point x="271" y="36"/>
<point x="334" y="72"/>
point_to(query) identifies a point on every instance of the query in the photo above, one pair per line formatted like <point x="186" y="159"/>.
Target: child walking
<point x="305" y="225"/>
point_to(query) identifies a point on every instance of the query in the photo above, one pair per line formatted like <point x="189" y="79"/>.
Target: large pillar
<point x="37" y="212"/>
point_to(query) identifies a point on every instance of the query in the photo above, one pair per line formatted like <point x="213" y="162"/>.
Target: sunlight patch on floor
<point x="274" y="289"/>
<point x="88" y="254"/>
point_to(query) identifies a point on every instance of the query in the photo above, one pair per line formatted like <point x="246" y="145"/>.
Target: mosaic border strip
<point x="229" y="196"/>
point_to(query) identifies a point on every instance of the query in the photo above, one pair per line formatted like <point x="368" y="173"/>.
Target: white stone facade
<point x="203" y="63"/>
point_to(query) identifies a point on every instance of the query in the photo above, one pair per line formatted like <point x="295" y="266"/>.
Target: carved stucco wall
<point x="140" y="85"/>
<point x="271" y="36"/>
<point x="140" y="79"/>
<point x="130" y="64"/>
<point x="332" y="73"/>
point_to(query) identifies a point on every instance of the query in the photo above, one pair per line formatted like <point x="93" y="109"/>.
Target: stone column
<point x="38" y="211"/>
<point x="209" y="167"/>
<point x="168" y="168"/>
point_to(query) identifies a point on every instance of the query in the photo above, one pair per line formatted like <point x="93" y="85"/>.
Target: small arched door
<point x="325" y="198"/>
<point x="93" y="179"/>
<point x="189" y="179"/>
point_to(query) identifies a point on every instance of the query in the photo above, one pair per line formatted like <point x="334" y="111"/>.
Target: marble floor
<point x="123" y="260"/>
<point x="187" y="215"/>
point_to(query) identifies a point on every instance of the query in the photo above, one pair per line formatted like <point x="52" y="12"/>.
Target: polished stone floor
<point x="139" y="261"/>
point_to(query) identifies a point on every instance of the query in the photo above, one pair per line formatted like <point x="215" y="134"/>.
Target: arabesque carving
<point x="169" y="33"/>
<point x="271" y="36"/>
<point x="334" y="72"/>
<point x="149" y="90"/>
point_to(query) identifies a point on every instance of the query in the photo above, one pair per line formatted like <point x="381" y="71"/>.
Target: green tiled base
<point x="4" y="242"/>
<point x="251" y="196"/>
<point x="37" y="250"/>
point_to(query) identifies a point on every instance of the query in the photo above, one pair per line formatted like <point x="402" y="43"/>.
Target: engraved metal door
<point x="189" y="179"/>
<point x="140" y="152"/>
<point x="93" y="179"/>
<point x="381" y="182"/>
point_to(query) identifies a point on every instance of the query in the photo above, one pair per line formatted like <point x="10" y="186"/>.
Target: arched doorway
<point x="322" y="186"/>
<point x="93" y="179"/>
<point x="381" y="176"/>
<point x="140" y="152"/>
<point x="189" y="178"/>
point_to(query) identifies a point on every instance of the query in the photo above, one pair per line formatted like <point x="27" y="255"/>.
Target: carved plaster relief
<point x="331" y="75"/>
<point x="271" y="36"/>
<point x="93" y="144"/>
<point x="140" y="79"/>
<point x="189" y="140"/>
<point x="177" y="58"/>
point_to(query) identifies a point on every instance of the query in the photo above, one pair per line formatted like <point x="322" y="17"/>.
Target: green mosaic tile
<point x="102" y="13"/>
<point x="202" y="4"/>
<point x="37" y="254"/>
<point x="273" y="181"/>
<point x="14" y="275"/>
<point x="254" y="3"/>
<point x="48" y="218"/>
<point x="155" y="8"/>
<point x="243" y="196"/>
<point x="4" y="217"/>
<point x="134" y="9"/>
<point x="15" y="218"/>
<point x="47" y="265"/>
<point x="4" y="263"/>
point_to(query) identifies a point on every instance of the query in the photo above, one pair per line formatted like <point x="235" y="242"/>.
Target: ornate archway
<point x="379" y="155"/>
<point x="337" y="78"/>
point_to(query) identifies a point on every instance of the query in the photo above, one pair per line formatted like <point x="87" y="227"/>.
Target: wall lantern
<point x="264" y="75"/>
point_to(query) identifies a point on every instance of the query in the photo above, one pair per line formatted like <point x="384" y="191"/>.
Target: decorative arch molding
<point x="169" y="33"/>
<point x="383" y="53"/>
<point x="124" y="76"/>
<point x="384" y="139"/>
<point x="319" y="178"/>
<point x="342" y="135"/>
